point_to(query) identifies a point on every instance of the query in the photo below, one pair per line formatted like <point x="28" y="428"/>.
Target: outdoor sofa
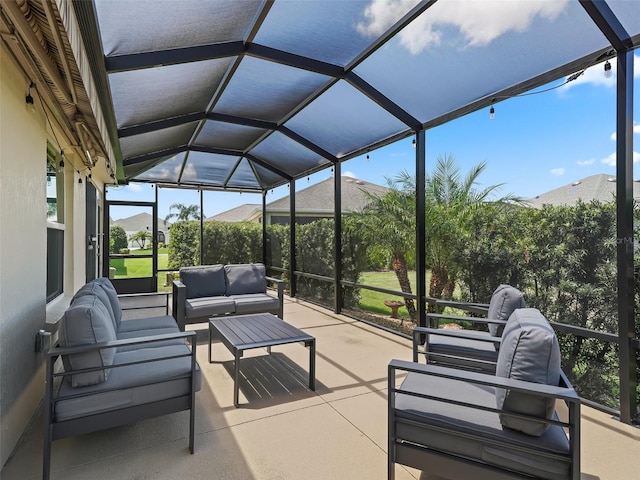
<point x="461" y="424"/>
<point x="212" y="290"/>
<point x="115" y="371"/>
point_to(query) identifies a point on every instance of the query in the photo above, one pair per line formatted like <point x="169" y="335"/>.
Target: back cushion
<point x="203" y="281"/>
<point x="504" y="301"/>
<point x="110" y="290"/>
<point x="529" y="352"/>
<point x="87" y="322"/>
<point x="93" y="288"/>
<point x="245" y="278"/>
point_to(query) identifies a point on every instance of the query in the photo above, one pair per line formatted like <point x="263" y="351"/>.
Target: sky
<point x="534" y="144"/>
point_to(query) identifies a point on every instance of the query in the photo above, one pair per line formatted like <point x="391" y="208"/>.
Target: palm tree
<point x="389" y="222"/>
<point x="450" y="198"/>
<point x="185" y="213"/>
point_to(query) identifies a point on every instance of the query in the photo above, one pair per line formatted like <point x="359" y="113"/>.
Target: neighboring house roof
<point x="242" y="213"/>
<point x="599" y="187"/>
<point x="139" y="222"/>
<point x="319" y="197"/>
<point x="316" y="199"/>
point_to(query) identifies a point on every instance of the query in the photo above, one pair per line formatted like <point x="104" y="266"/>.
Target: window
<point x="55" y="224"/>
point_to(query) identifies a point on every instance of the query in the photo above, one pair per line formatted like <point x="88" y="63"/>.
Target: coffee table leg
<point x="236" y="377"/>
<point x="312" y="365"/>
<point x="210" y="335"/>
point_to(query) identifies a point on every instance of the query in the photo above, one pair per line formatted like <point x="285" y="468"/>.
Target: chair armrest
<point x="479" y="308"/>
<point x="280" y="286"/>
<point x="442" y="316"/>
<point x="179" y="298"/>
<point x="565" y="393"/>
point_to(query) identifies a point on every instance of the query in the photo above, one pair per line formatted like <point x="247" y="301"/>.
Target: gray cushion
<point x="133" y="384"/>
<point x="86" y="322"/>
<point x="162" y="321"/>
<point x="245" y="278"/>
<point x="256" y="303"/>
<point x="93" y="288"/>
<point x="504" y="300"/>
<point x="529" y="352"/>
<point x="203" y="281"/>
<point x="149" y="333"/>
<point x="108" y="287"/>
<point x="208" y="306"/>
<point x="465" y="350"/>
<point x="474" y="433"/>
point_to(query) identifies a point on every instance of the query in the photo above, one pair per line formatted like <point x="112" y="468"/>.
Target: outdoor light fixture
<point x="413" y="143"/>
<point x="61" y="159"/>
<point x="492" y="113"/>
<point x="367" y="157"/>
<point x="607" y="70"/>
<point x="29" y="99"/>
<point x="79" y="177"/>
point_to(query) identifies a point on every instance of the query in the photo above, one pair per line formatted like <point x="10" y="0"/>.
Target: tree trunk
<point x="437" y="284"/>
<point x="400" y="268"/>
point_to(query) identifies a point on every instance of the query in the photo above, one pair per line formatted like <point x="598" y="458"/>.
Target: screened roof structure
<point x="250" y="94"/>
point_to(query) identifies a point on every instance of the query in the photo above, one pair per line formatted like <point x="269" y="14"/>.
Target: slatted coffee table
<point x="244" y="332"/>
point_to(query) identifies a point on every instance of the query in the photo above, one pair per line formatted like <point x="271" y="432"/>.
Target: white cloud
<point x="636" y="130"/>
<point x="134" y="187"/>
<point x="477" y="20"/>
<point x="611" y="159"/>
<point x="557" y="171"/>
<point x="586" y="162"/>
<point x="349" y="174"/>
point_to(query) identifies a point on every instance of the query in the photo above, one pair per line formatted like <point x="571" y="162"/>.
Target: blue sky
<point x="535" y="143"/>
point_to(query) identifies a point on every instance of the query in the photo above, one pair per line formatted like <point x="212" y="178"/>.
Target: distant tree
<point x="141" y="237"/>
<point x="117" y="239"/>
<point x="184" y="213"/>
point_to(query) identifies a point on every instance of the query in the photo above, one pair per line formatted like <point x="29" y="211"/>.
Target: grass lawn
<point x="138" y="267"/>
<point x="373" y="301"/>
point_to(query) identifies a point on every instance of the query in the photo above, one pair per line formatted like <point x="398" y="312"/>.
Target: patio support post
<point x="292" y="238"/>
<point x="201" y="226"/>
<point x="625" y="240"/>
<point x="264" y="228"/>
<point x="421" y="266"/>
<point x="337" y="219"/>
<point x="154" y="250"/>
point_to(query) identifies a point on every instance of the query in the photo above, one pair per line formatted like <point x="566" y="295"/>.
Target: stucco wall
<point x="23" y="254"/>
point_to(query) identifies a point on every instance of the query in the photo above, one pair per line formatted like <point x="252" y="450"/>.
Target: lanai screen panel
<point x="343" y="120"/>
<point x="266" y="90"/>
<point x="136" y="26"/>
<point x="211" y="169"/>
<point x="157" y="140"/>
<point x="243" y="177"/>
<point x="227" y="135"/>
<point x="150" y="94"/>
<point x="458" y="52"/>
<point x="266" y="177"/>
<point x="628" y="12"/>
<point x="166" y="171"/>
<point x="288" y="156"/>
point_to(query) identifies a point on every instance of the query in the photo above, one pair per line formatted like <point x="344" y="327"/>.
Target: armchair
<point x="462" y="424"/>
<point x="472" y="349"/>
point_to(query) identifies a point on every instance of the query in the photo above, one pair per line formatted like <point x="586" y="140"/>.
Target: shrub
<point x="117" y="239"/>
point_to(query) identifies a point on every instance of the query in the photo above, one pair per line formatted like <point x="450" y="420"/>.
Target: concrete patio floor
<point x="282" y="430"/>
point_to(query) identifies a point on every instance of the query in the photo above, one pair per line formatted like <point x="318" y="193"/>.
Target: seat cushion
<point x="87" y="322"/>
<point x="245" y="278"/>
<point x="132" y="384"/>
<point x="255" y="303"/>
<point x="203" y="280"/>
<point x="149" y="333"/>
<point x="475" y="434"/>
<point x="162" y="321"/>
<point x="208" y="306"/>
<point x="504" y="300"/>
<point x="529" y="352"/>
